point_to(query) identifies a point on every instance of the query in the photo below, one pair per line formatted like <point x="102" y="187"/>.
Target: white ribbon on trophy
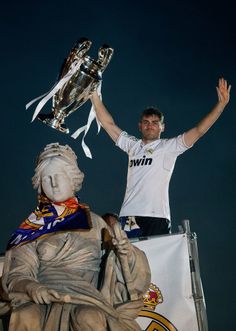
<point x="48" y="95"/>
<point x="85" y="128"/>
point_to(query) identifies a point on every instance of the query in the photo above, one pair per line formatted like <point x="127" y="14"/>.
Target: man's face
<point x="56" y="184"/>
<point x="151" y="128"/>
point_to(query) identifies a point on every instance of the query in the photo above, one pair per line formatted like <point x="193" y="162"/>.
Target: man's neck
<point x="148" y="141"/>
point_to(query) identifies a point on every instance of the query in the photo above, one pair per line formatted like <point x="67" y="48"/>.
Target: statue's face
<point x="55" y="182"/>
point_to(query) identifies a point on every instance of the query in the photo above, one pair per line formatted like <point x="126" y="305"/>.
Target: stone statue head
<point x="57" y="174"/>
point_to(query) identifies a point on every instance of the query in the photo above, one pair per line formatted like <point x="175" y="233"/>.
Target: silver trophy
<point x="80" y="75"/>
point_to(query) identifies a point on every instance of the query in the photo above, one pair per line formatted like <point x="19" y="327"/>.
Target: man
<point x="151" y="162"/>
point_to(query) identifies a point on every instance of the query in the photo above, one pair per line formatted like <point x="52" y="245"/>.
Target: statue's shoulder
<point x="97" y="220"/>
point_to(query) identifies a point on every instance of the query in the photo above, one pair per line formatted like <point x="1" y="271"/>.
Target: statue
<point x="65" y="268"/>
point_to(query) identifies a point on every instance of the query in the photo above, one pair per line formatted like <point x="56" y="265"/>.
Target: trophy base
<point x="54" y="123"/>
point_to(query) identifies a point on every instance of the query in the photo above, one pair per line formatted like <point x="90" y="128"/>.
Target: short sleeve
<point x="126" y="142"/>
<point x="176" y="145"/>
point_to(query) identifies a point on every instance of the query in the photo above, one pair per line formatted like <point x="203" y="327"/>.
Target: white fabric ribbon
<point x="85" y="128"/>
<point x="47" y="96"/>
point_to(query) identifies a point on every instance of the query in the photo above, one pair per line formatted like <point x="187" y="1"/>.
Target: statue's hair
<point x="66" y="155"/>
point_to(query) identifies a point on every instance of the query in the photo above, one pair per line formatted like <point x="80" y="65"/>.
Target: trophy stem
<point x="54" y="121"/>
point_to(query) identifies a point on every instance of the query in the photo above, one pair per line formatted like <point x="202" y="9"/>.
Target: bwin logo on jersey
<point x="140" y="162"/>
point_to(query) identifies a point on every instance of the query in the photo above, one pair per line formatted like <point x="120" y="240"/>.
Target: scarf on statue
<point x="50" y="217"/>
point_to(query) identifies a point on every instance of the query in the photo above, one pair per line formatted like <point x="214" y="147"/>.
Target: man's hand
<point x="223" y="91"/>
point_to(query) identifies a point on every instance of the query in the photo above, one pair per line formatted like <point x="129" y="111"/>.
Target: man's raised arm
<point x="105" y="117"/>
<point x="223" y="91"/>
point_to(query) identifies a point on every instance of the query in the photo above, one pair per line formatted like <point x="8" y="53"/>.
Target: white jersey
<point x="149" y="172"/>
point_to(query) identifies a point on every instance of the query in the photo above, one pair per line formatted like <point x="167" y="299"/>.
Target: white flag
<point x="170" y="301"/>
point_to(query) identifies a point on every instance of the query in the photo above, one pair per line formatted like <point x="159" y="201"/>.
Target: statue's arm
<point x="132" y="260"/>
<point x="22" y="275"/>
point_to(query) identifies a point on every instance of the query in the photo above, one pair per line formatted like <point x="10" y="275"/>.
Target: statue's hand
<point x="40" y="294"/>
<point x="123" y="246"/>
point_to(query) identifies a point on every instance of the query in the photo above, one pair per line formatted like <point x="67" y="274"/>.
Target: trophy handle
<point x="77" y="53"/>
<point x="104" y="56"/>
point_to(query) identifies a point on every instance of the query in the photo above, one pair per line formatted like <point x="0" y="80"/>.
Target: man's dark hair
<point x="152" y="111"/>
<point x="104" y="216"/>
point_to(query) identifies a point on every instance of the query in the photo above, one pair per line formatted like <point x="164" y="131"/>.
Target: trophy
<point x="80" y="75"/>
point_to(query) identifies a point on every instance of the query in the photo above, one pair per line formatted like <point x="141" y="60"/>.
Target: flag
<point x="169" y="303"/>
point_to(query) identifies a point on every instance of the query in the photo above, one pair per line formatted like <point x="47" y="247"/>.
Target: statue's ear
<point x="40" y="189"/>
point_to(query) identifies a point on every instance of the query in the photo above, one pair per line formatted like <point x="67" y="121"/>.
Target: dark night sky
<point x="167" y="54"/>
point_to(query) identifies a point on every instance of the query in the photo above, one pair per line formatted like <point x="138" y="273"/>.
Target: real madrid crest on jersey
<point x="149" y="151"/>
